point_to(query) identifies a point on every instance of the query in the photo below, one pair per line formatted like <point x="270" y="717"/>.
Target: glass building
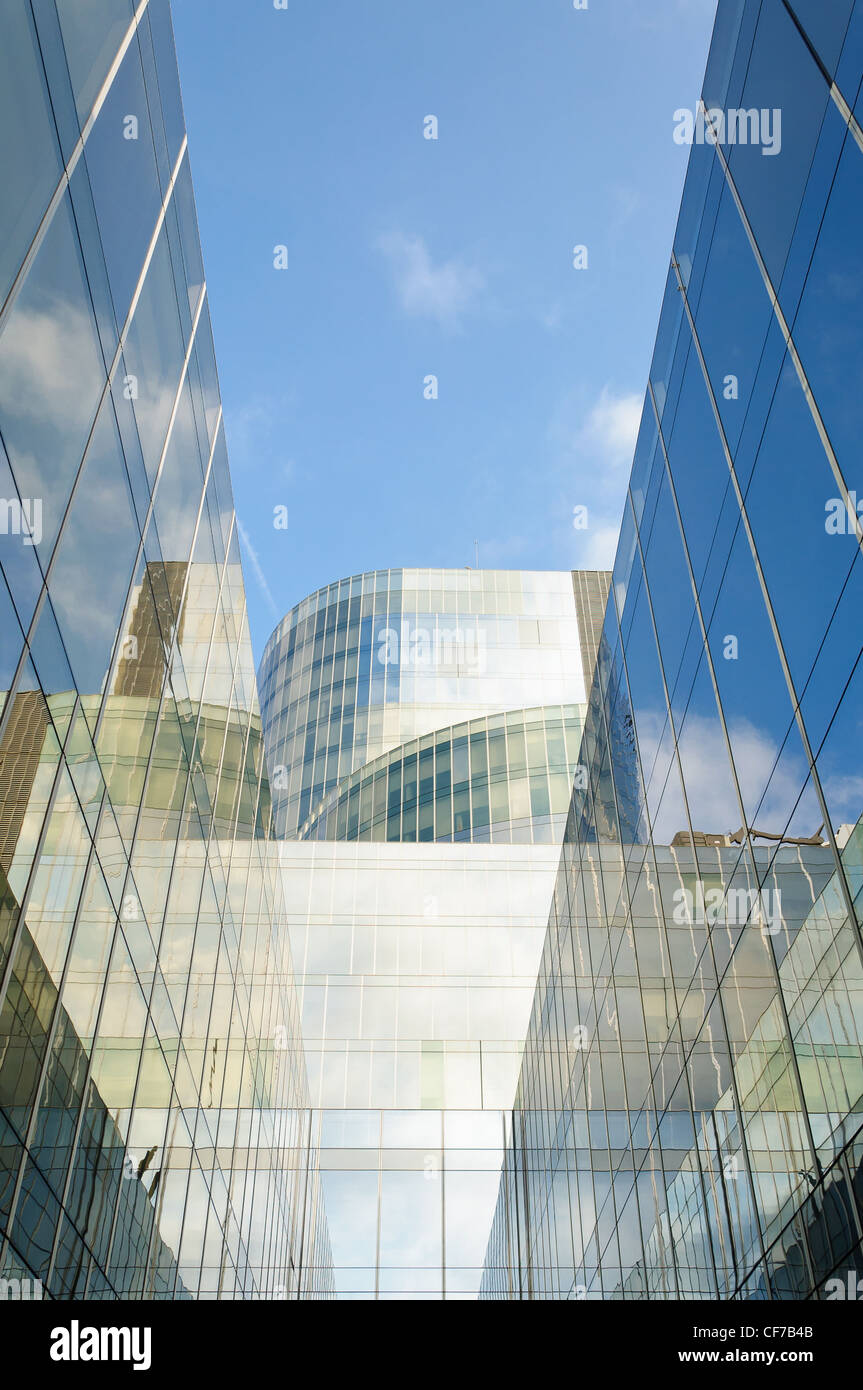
<point x="155" y="1135"/>
<point x="689" y="1119"/>
<point x="372" y="663"/>
<point x="422" y="730"/>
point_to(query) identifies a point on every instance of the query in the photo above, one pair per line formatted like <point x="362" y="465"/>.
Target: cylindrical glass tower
<point x="429" y="704"/>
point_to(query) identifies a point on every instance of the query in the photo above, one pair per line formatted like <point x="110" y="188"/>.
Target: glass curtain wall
<point x="420" y="886"/>
<point x="377" y="660"/>
<point x="689" y="1110"/>
<point x="154" y="1122"/>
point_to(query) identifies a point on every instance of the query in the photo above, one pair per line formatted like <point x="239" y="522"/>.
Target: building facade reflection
<point x="687" y="1123"/>
<point x="154" y="1115"/>
<point x="401" y="724"/>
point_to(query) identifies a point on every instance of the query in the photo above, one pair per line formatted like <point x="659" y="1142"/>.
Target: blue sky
<point x="409" y="257"/>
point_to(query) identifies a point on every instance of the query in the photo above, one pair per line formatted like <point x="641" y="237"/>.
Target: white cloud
<point x="595" y="547"/>
<point x="443" y="292"/>
<point x="596" y="440"/>
<point x="593" y="439"/>
<point x="844" y="797"/>
<point x="769" y="789"/>
<point x="52" y="371"/>
<point x="611" y="428"/>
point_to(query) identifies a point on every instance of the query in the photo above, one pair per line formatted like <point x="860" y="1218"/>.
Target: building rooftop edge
<point x="413" y="569"/>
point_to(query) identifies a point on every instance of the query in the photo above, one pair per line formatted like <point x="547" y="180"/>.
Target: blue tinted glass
<point x="832" y="356"/>
<point x="698" y="466"/>
<point x="805" y="563"/>
<point x="154" y="355"/>
<point x="780" y="111"/>
<point x="837" y="656"/>
<point x="159" y="19"/>
<point x="95" y="557"/>
<point x="121" y="164"/>
<point x="825" y="26"/>
<point x="752" y="688"/>
<point x="29" y="164"/>
<point x="669" y="583"/>
<point x="51" y="375"/>
<point x="92" y="33"/>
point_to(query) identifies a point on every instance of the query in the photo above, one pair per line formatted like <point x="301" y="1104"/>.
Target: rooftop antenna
<point x="476" y="552"/>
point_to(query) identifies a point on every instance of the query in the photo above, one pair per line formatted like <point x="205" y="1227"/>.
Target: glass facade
<point x="155" y="1136"/>
<point x="417" y="945"/>
<point x="688" y="1120"/>
<point x="416" y="966"/>
<point x="378" y="660"/>
<point x="505" y="779"/>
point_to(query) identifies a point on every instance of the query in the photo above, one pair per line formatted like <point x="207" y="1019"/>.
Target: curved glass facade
<point x="503" y="780"/>
<point x="374" y="661"/>
<point x="688" y="1122"/>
